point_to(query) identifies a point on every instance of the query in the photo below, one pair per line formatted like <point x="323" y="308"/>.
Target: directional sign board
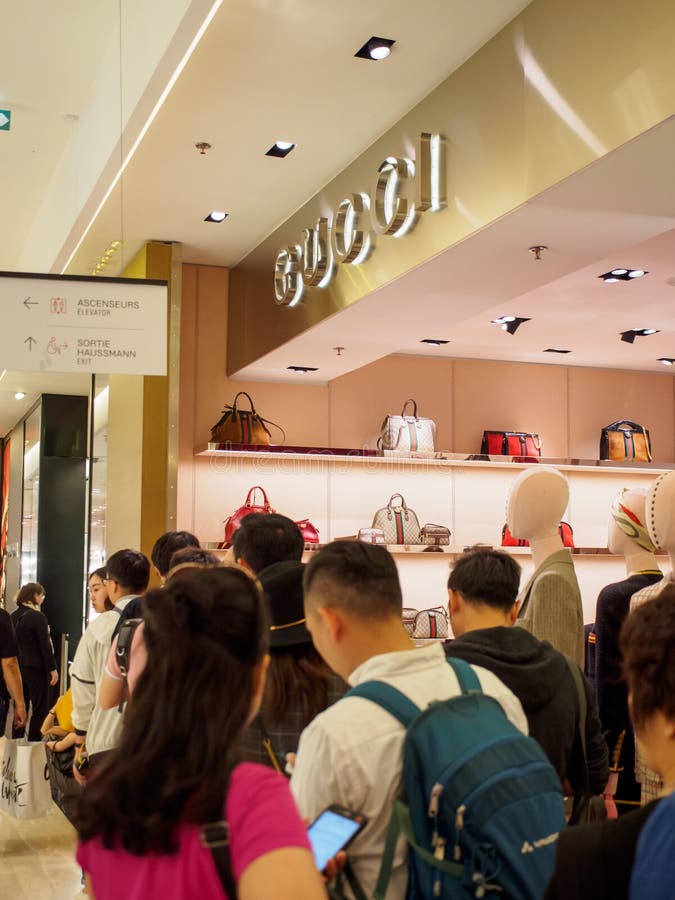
<point x="67" y="324"/>
<point x="5" y="120"/>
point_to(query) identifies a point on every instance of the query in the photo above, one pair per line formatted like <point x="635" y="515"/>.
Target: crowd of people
<point x="211" y="719"/>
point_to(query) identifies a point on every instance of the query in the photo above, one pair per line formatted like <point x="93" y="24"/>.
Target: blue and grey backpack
<point x="483" y="805"/>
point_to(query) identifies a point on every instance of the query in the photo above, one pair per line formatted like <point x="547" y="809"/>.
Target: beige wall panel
<point x="360" y="400"/>
<point x="514" y="396"/>
<point x="185" y="486"/>
<point x="598" y="397"/>
<point x="125" y="463"/>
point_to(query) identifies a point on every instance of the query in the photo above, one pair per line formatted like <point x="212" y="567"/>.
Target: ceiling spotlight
<point x="216" y="216"/>
<point x="375" y="48"/>
<point x="666" y="360"/>
<point x="280" y="149"/>
<point x="435" y="342"/>
<point x="621" y="274"/>
<point x="630" y="335"/>
<point x="19" y="395"/>
<point x="302" y="368"/>
<point x="511" y="324"/>
<point x="556" y="350"/>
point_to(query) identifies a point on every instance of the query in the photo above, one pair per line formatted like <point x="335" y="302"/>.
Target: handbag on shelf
<point x="234" y="521"/>
<point x="564" y="530"/>
<point x="431" y="623"/>
<point x="309" y="532"/>
<point x="408" y="616"/>
<point x="625" y="440"/>
<point x="511" y="443"/>
<point x="399" y="523"/>
<point x="371" y="535"/>
<point x="435" y="535"/>
<point x="243" y="426"/>
<point x="407" y="432"/>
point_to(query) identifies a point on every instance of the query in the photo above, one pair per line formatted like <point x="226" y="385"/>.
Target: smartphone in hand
<point x="332" y="831"/>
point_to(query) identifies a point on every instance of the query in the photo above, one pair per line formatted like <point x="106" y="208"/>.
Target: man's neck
<point x="382" y="639"/>
<point x="485" y="617"/>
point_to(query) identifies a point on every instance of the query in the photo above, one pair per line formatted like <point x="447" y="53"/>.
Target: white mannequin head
<point x="661" y="513"/>
<point x="536" y="503"/>
<point x="628" y="533"/>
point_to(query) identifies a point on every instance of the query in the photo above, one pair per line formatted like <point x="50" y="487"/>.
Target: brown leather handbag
<point x="625" y="440"/>
<point x="243" y="426"/>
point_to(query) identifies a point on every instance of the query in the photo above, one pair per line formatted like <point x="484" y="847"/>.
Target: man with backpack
<point x="360" y="755"/>
<point x="482" y="589"/>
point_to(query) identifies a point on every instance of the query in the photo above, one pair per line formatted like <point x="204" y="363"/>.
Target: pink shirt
<point x="262" y="817"/>
<point x="138" y="657"/>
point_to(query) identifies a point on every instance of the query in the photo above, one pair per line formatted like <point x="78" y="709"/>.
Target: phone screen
<point x="330" y="833"/>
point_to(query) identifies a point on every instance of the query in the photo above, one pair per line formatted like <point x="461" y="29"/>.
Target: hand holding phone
<point x="332" y="831"/>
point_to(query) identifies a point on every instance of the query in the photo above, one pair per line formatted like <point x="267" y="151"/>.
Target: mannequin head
<point x="661" y="512"/>
<point x="536" y="503"/>
<point x="627" y="524"/>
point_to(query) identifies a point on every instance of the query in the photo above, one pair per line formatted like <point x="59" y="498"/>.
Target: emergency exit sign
<point x="5" y="119"/>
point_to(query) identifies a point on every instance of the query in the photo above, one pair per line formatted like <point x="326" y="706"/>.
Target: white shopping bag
<point x="24" y="782"/>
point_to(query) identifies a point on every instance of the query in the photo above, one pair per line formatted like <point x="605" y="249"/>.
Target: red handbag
<point x="564" y="530"/>
<point x="511" y="443"/>
<point x="234" y="521"/>
<point x="309" y="532"/>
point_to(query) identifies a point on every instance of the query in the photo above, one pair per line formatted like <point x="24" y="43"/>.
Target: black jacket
<point x="540" y="678"/>
<point x="32" y="637"/>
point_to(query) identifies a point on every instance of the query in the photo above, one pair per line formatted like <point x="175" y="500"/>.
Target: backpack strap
<point x="468" y="680"/>
<point x="389" y="698"/>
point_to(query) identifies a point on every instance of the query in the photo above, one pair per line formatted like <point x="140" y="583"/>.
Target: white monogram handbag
<point x="407" y="432"/>
<point x="399" y="524"/>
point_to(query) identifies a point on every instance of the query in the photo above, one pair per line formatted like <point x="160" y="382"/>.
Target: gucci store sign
<point x="97" y="325"/>
<point x="404" y="190"/>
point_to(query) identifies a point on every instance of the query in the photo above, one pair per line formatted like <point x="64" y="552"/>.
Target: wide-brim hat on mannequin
<point x="282" y="582"/>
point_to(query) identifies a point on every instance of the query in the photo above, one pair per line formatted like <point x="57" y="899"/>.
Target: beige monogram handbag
<point x="399" y="524"/>
<point x="407" y="432"/>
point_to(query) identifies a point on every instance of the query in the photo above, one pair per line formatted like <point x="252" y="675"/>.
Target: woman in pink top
<point x="175" y="780"/>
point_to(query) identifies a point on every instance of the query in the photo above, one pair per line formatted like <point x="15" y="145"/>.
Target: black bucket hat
<point x="282" y="582"/>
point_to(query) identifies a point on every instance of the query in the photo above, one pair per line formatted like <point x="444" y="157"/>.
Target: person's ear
<point x="333" y="622"/>
<point x="240" y="561"/>
<point x="513" y="613"/>
<point x="454" y="602"/>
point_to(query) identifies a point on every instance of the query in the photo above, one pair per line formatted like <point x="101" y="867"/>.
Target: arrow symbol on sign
<point x="28" y="303"/>
<point x="3" y="119"/>
<point x="30" y="341"/>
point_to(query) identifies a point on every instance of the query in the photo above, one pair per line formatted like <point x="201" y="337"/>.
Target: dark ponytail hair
<point x="205" y="632"/>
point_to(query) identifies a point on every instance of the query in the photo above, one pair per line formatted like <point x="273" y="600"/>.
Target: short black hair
<point x="262" y="540"/>
<point x="166" y="545"/>
<point x="489" y="577"/>
<point x="130" y="569"/>
<point x="194" y="555"/>
<point x="356" y="576"/>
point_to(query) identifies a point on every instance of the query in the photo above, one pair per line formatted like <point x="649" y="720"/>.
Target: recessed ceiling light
<point x="216" y="216"/>
<point x="375" y="48"/>
<point x="303" y="368"/>
<point x="622" y="274"/>
<point x="280" y="149"/>
<point x="435" y="342"/>
<point x="511" y="324"/>
<point x="630" y="335"/>
<point x="666" y="360"/>
<point x="19" y="395"/>
<point x="556" y="350"/>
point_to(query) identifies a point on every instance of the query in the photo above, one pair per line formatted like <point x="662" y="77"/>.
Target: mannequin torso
<point x="550" y="603"/>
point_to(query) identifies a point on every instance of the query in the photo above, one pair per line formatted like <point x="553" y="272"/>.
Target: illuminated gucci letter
<point x="287" y="279"/>
<point x="393" y="212"/>
<point x="316" y="258"/>
<point x="351" y="240"/>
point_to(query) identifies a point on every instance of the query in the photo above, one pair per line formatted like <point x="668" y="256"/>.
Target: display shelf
<point x="416" y="550"/>
<point x="437" y="459"/>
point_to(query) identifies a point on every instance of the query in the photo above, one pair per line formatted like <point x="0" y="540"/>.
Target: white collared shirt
<point x="351" y="754"/>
